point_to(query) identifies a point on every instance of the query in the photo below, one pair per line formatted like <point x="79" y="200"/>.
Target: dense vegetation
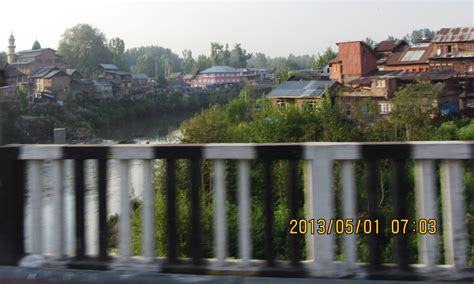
<point x="251" y="119"/>
<point x="98" y="115"/>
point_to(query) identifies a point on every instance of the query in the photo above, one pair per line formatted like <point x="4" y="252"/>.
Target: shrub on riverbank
<point x="257" y="121"/>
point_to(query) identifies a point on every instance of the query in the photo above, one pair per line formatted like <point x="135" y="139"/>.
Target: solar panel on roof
<point x="413" y="55"/>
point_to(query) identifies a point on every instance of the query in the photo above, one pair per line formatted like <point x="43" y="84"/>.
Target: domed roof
<point x="36" y="45"/>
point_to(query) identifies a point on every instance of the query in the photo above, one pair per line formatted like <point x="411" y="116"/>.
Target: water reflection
<point x="152" y="131"/>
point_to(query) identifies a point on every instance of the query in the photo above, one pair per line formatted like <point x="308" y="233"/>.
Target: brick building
<point x="301" y="93"/>
<point x="355" y="59"/>
<point x="453" y="48"/>
<point x="29" y="62"/>
<point x="215" y="76"/>
<point x="385" y="48"/>
<point x="414" y="58"/>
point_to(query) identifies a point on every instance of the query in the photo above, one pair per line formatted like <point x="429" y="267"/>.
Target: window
<point x="313" y="104"/>
<point x="380" y="83"/>
<point x="282" y="104"/>
<point x="365" y="109"/>
<point x="469" y="68"/>
<point x="385" y="108"/>
<point x="449" y="49"/>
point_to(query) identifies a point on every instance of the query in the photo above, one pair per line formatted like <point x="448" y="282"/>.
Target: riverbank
<point x="87" y="121"/>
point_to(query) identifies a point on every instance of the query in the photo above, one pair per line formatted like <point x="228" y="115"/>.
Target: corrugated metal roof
<point x="455" y="34"/>
<point x="405" y="76"/>
<point x="109" y="66"/>
<point x="44" y="71"/>
<point x="413" y="55"/>
<point x="220" y="69"/>
<point x="52" y="74"/>
<point x="140" y="76"/>
<point x="301" y="89"/>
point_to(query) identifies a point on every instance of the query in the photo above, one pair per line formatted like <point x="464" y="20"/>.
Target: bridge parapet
<point x="25" y="162"/>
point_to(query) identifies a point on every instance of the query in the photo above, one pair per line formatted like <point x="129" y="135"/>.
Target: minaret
<point x="11" y="49"/>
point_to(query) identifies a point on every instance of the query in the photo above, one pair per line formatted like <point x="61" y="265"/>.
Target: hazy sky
<point x="275" y="28"/>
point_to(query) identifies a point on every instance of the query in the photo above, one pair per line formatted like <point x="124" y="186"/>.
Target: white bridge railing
<point x="319" y="200"/>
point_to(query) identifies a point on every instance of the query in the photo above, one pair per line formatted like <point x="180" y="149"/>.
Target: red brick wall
<point x="357" y="59"/>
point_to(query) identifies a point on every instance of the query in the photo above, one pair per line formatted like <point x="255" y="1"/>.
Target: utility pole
<point x="156" y="70"/>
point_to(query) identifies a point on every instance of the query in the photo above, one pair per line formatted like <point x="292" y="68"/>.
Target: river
<point x="151" y="130"/>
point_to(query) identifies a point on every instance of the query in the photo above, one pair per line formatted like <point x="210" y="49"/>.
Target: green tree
<point x="322" y="60"/>
<point x="370" y="42"/>
<point x="282" y="73"/>
<point x="23" y="97"/>
<point x="117" y="49"/>
<point x="84" y="47"/>
<point x="187" y="61"/>
<point x="258" y="60"/>
<point x="418" y="35"/>
<point x="239" y="56"/>
<point x="69" y="99"/>
<point x="202" y="62"/>
<point x="414" y="107"/>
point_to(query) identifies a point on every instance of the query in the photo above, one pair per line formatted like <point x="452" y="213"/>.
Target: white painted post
<point x="349" y="205"/>
<point x="58" y="193"/>
<point x="323" y="207"/>
<point x="245" y="240"/>
<point x="148" y="210"/>
<point x="308" y="206"/>
<point x="452" y="192"/>
<point x="36" y="183"/>
<point x="220" y="224"/>
<point x="125" y="237"/>
<point x="426" y="208"/>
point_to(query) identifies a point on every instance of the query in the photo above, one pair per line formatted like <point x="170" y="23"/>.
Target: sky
<point x="276" y="28"/>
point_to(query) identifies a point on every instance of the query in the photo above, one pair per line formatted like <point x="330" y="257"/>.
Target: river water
<point x="151" y="130"/>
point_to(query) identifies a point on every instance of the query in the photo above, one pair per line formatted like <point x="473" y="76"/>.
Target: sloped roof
<point x="32" y="52"/>
<point x="404" y="76"/>
<point x="455" y="34"/>
<point x="109" y="66"/>
<point x="188" y="76"/>
<point x="48" y="72"/>
<point x="301" y="89"/>
<point x="220" y="69"/>
<point x="408" y="55"/>
<point x="21" y="63"/>
<point x="388" y="45"/>
<point x="54" y="73"/>
<point x="44" y="71"/>
<point x="11" y="72"/>
<point x="140" y="76"/>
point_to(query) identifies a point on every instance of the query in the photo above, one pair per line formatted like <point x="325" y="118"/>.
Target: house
<point x="188" y="78"/>
<point x="301" y="93"/>
<point x="103" y="90"/>
<point x="50" y="78"/>
<point x="216" y="76"/>
<point x="174" y="76"/>
<point x="140" y="79"/>
<point x="30" y="61"/>
<point x="121" y="80"/>
<point x="74" y="74"/>
<point x="414" y="58"/>
<point x="141" y="83"/>
<point x="10" y="79"/>
<point x="453" y="48"/>
<point x="385" y="48"/>
<point x="355" y="59"/>
<point x="376" y="90"/>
